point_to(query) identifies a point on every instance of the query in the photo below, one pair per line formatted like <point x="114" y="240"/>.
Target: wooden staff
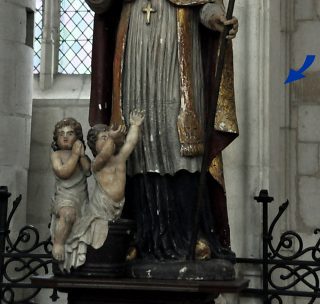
<point x="209" y="131"/>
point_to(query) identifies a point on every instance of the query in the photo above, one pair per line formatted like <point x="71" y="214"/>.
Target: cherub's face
<point x="101" y="140"/>
<point x="66" y="138"/>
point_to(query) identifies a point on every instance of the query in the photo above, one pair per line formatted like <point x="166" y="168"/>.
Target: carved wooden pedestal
<point x="139" y="291"/>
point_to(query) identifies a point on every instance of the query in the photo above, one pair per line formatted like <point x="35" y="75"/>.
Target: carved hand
<point x="77" y="148"/>
<point x="119" y="132"/>
<point x="136" y="117"/>
<point x="213" y="17"/>
<point x="220" y="21"/>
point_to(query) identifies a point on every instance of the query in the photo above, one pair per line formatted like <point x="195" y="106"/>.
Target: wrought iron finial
<point x="4" y="193"/>
<point x="263" y="197"/>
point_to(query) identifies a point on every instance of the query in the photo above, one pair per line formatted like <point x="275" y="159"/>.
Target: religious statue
<point x="71" y="167"/>
<point x="111" y="150"/>
<point x="159" y="55"/>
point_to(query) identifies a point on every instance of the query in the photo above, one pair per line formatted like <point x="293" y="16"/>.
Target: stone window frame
<point x="49" y="43"/>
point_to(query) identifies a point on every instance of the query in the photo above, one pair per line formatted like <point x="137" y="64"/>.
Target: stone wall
<point x="15" y="99"/>
<point x="305" y="104"/>
<point x="16" y="56"/>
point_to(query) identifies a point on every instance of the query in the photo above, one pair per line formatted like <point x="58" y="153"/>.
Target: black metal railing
<point x="21" y="258"/>
<point x="289" y="269"/>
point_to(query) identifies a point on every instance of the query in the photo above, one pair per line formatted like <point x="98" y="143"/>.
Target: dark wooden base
<point x="137" y="297"/>
<point x="110" y="259"/>
<point x="209" y="270"/>
<point x="139" y="291"/>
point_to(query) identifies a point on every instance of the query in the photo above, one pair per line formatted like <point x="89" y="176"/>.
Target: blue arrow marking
<point x="296" y="75"/>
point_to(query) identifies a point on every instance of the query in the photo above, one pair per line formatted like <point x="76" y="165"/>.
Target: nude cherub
<point x="109" y="165"/>
<point x="71" y="167"/>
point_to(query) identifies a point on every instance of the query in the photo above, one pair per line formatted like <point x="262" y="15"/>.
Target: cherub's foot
<point x="58" y="252"/>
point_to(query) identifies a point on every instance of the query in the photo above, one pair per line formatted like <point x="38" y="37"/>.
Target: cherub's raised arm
<point x="136" y="120"/>
<point x="64" y="171"/>
<point x="104" y="155"/>
<point x="100" y="6"/>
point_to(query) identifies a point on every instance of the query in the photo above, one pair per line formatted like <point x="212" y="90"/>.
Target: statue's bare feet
<point x="58" y="252"/>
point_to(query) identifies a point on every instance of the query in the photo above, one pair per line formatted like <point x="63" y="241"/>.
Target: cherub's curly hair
<point x="74" y="124"/>
<point x="93" y="136"/>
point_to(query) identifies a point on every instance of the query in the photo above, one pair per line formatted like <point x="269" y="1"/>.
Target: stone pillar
<point x="255" y="160"/>
<point x="252" y="160"/>
<point x="16" y="55"/>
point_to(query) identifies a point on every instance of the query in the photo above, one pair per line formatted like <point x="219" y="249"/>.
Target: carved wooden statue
<point x="159" y="55"/>
<point x="89" y="222"/>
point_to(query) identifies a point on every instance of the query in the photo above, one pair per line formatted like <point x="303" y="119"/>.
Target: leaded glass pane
<point x="76" y="30"/>
<point x="37" y="36"/>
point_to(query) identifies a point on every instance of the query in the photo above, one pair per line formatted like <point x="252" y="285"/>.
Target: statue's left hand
<point x="212" y="15"/>
<point x="218" y="23"/>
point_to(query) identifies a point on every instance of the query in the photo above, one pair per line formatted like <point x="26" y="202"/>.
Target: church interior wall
<point x="15" y="100"/>
<point x="305" y="111"/>
<point x="246" y="160"/>
<point x="278" y="147"/>
<point x="245" y="166"/>
<point x="305" y="102"/>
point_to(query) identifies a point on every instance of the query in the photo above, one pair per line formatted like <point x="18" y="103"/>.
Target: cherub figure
<point x="109" y="165"/>
<point x="71" y="167"/>
<point x="111" y="150"/>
